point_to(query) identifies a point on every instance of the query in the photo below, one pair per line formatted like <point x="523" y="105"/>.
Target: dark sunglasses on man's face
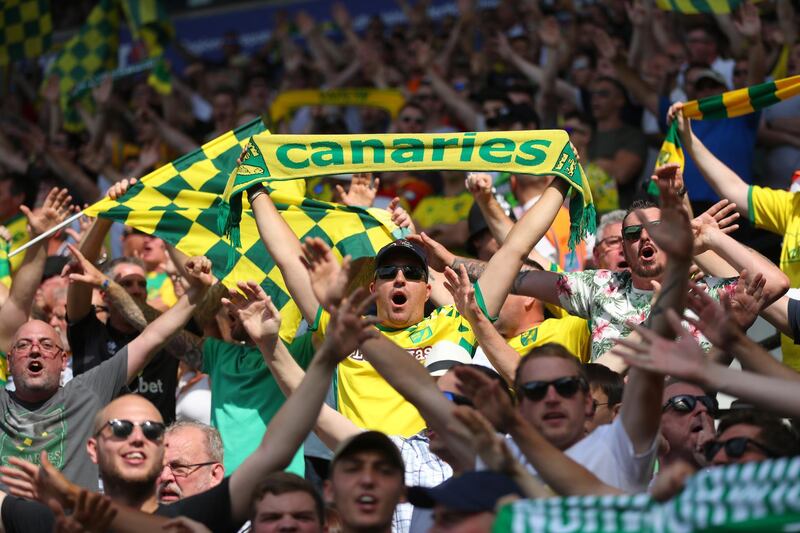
<point x="410" y="272"/>
<point x="566" y="387"/>
<point x="734" y="448"/>
<point x="121" y="429"/>
<point x="685" y="403"/>
<point x="634" y="231"/>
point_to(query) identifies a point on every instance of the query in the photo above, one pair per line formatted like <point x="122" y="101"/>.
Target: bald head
<point x="36" y="329"/>
<point x="36" y="358"/>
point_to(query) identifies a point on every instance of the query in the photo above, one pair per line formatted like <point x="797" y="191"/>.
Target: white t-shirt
<point x="608" y="453"/>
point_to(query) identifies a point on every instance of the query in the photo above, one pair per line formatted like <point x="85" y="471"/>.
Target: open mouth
<point x="35" y="366"/>
<point x="399" y="298"/>
<point x="622" y="264"/>
<point x="134" y="458"/>
<point x="367" y="502"/>
<point x="166" y="494"/>
<point x="647" y="252"/>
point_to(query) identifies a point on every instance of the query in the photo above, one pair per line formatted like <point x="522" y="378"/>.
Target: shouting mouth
<point x="647" y="252"/>
<point x="398" y="298"/>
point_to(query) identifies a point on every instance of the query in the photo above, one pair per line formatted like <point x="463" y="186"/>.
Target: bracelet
<point x="682" y="191"/>
<point x="104" y="285"/>
<point x="252" y="195"/>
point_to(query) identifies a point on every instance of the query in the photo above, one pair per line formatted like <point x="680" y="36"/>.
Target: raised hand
<point x="198" y="272"/>
<point x="340" y="15"/>
<point x="721" y="321"/>
<point x="92" y="513"/>
<point x="637" y="13"/>
<point x="20" y="478"/>
<point x="605" y="45"/>
<point x="670" y="175"/>
<point x="491" y="447"/>
<point x="463" y="293"/>
<point x="149" y="156"/>
<point x="56" y="208"/>
<point x="116" y="191"/>
<point x="81" y="270"/>
<point x="682" y="358"/>
<point x="305" y="23"/>
<point x="749" y="23"/>
<point x="361" y="192"/>
<point x="719" y="217"/>
<point x="486" y="395"/>
<point x="549" y="32"/>
<point x="84" y="224"/>
<point x="348" y="328"/>
<point x="328" y="278"/>
<point x="503" y="47"/>
<point x="102" y="93"/>
<point x="400" y="216"/>
<point x="479" y="184"/>
<point x="439" y="257"/>
<point x="255" y="310"/>
<point x="674" y="234"/>
<point x="51" y="91"/>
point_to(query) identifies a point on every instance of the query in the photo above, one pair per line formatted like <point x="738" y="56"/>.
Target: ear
<point x="218" y="472"/>
<point x="589" y="404"/>
<point x="615" y="410"/>
<point x="91" y="449"/>
<point x="371" y="287"/>
<point x="428" y="290"/>
<point x="63" y="361"/>
<point x="327" y="491"/>
<point x="529" y="303"/>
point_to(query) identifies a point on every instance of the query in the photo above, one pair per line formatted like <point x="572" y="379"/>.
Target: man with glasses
<point x="687" y="423"/>
<point x="192" y="461"/>
<point x="746" y="435"/>
<point x="40" y="415"/>
<point x="607" y="252"/>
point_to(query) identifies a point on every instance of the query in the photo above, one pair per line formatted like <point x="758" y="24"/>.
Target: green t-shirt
<point x="245" y="396"/>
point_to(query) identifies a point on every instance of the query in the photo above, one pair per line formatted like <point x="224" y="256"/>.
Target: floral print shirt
<point x="608" y="300"/>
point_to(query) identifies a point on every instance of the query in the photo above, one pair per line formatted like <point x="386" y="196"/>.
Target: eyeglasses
<point x="596" y="404"/>
<point x="121" y="429"/>
<point x="458" y="399"/>
<point x="685" y="403"/>
<point x="410" y="272"/>
<point x="611" y="241"/>
<point x="46" y="347"/>
<point x="566" y="387"/>
<point x="412" y="120"/>
<point x="179" y="470"/>
<point x="735" y="448"/>
<point x="634" y="231"/>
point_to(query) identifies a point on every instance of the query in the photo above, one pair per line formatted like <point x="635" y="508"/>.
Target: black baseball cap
<point x="373" y="441"/>
<point x="471" y="492"/>
<point x="402" y="247"/>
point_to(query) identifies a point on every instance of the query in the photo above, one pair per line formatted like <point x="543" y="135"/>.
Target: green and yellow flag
<point x="92" y="51"/>
<point x="751" y="497"/>
<point x="275" y="158"/>
<point x="389" y="99"/>
<point x="149" y="23"/>
<point x="26" y="29"/>
<point x="693" y="7"/>
<point x="180" y="202"/>
<point x="726" y="105"/>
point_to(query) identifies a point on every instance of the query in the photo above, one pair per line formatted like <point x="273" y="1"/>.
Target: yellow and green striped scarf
<point x="726" y="105"/>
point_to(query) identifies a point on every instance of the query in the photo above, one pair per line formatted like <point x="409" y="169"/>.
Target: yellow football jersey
<point x="572" y="332"/>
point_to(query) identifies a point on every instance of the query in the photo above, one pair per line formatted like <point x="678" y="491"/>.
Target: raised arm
<point x="284" y="247"/>
<point x="261" y="320"/>
<point x="157" y="334"/>
<point x="686" y="360"/>
<point x="725" y="182"/>
<point x="501" y="271"/>
<point x="17" y="307"/>
<point x="291" y="424"/>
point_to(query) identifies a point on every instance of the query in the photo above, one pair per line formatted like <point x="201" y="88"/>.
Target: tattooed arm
<point x="531" y="280"/>
<point x="185" y="346"/>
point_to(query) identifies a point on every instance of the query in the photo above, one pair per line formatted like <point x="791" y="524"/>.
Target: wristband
<point x="104" y="285"/>
<point x="255" y="192"/>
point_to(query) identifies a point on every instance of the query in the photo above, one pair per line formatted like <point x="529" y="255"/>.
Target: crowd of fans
<point x="482" y="357"/>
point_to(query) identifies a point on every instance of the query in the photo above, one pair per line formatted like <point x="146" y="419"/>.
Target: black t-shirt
<point x="92" y="342"/>
<point x="211" y="508"/>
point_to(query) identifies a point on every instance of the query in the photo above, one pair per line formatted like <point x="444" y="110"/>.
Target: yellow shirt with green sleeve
<point x="159" y="285"/>
<point x="779" y="212"/>
<point x="438" y="341"/>
<point x="571" y="332"/>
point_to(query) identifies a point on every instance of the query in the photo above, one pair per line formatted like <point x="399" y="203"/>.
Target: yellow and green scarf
<point x="389" y="99"/>
<point x="286" y="157"/>
<point x="726" y="105"/>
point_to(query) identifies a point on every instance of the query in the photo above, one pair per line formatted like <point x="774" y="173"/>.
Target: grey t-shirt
<point x="62" y="424"/>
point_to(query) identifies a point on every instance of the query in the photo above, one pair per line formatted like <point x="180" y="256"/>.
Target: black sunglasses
<point x="734" y="447"/>
<point x="121" y="429"/>
<point x="458" y="399"/>
<point x="634" y="231"/>
<point x="685" y="403"/>
<point x="566" y="387"/>
<point x="410" y="272"/>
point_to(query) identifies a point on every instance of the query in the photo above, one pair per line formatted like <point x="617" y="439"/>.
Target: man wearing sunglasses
<point x="401" y="285"/>
<point x="748" y="435"/>
<point x="43" y="416"/>
<point x="687" y="423"/>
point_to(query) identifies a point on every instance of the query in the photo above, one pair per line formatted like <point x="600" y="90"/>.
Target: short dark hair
<point x="278" y="483"/>
<point x="616" y="83"/>
<point x="548" y="349"/>
<point x="638" y="204"/>
<point x="774" y="435"/>
<point x="227" y="90"/>
<point x="611" y="383"/>
<point x="22" y="184"/>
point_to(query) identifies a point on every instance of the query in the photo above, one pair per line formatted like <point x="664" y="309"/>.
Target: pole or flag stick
<point x="46" y="234"/>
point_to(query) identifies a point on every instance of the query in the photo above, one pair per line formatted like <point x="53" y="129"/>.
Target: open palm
<point x="258" y="315"/>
